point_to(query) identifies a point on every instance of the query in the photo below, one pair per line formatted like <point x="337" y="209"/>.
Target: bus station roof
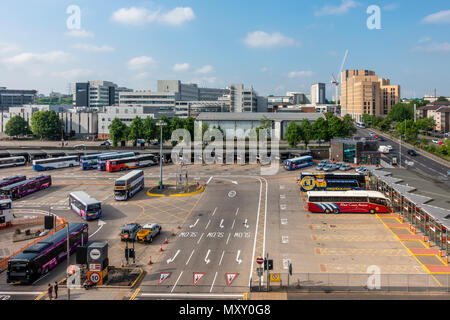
<point x="441" y="215"/>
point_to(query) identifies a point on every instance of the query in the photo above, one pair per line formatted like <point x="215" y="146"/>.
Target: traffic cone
<point x="166" y="242"/>
<point x="160" y="248"/>
<point x="150" y="261"/>
<point x="446" y="260"/>
<point x="428" y="245"/>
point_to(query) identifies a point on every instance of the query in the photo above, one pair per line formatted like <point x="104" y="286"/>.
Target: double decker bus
<point x="26" y="187"/>
<point x="347" y="202"/>
<point x="40" y="258"/>
<point x="90" y="161"/>
<point x="128" y="185"/>
<point x="144" y="160"/>
<point x="6" y="215"/>
<point x="12" y="162"/>
<point x="85" y="206"/>
<point x="332" y="181"/>
<point x="55" y="163"/>
<point x="101" y="162"/>
<point x="298" y="163"/>
<point x="11" y="180"/>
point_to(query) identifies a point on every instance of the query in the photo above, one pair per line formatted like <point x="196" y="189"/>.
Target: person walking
<point x="50" y="291"/>
<point x="56" y="289"/>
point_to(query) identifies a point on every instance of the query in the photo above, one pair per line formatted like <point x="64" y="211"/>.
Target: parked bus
<point x="85" y="206"/>
<point x="90" y="161"/>
<point x="12" y="162"/>
<point x="101" y="163"/>
<point x="40" y="258"/>
<point x="11" y="180"/>
<point x="23" y="188"/>
<point x="55" y="163"/>
<point x="297" y="163"/>
<point x="144" y="160"/>
<point x="347" y="202"/>
<point x="6" y="215"/>
<point x="332" y="181"/>
<point x="128" y="185"/>
<point x="360" y="124"/>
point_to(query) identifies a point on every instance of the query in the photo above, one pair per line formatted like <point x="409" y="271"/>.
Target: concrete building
<point x="432" y="98"/>
<point x="11" y="97"/>
<point x="440" y="112"/>
<point x="97" y="94"/>
<point x="318" y="93"/>
<point x="239" y="124"/>
<point x="190" y="91"/>
<point x="184" y="109"/>
<point x="362" y="92"/>
<point x="355" y="151"/>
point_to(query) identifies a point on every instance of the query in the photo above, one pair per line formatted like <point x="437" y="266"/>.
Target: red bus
<point x="348" y="202"/>
<point x="136" y="162"/>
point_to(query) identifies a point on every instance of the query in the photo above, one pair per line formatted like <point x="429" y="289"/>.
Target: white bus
<point x="85" y="206"/>
<point x="55" y="163"/>
<point x="360" y="124"/>
<point x="12" y="162"/>
<point x="128" y="185"/>
<point x="6" y="214"/>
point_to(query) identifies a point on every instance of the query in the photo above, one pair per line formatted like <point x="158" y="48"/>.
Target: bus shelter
<point x="438" y="224"/>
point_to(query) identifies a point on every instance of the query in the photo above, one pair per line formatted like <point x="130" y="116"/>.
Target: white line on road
<point x="213" y="283"/>
<point x="193" y="225"/>
<point x="239" y="261"/>
<point x="256" y="231"/>
<point x="190" y="295"/>
<point x="221" y="224"/>
<point x="207" y="255"/>
<point x="233" y="224"/>
<point x="209" y="180"/>
<point x="174" y="257"/>
<point x="229" y="235"/>
<point x="214" y="212"/>
<point x="220" y="262"/>
<point x="200" y="238"/>
<point x="176" y="282"/>
<point x="187" y="262"/>
<point x="208" y="224"/>
<point x="237" y="211"/>
<point x="28" y="293"/>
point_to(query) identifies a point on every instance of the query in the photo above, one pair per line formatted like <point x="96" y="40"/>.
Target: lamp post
<point x="161" y="124"/>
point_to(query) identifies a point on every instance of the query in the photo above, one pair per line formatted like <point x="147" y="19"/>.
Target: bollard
<point x="298" y="284"/>
<point x="423" y="238"/>
<point x="414" y="230"/>
<point x="403" y="220"/>
<point x="150" y="261"/>
<point x="428" y="245"/>
<point x="446" y="260"/>
<point x="440" y="254"/>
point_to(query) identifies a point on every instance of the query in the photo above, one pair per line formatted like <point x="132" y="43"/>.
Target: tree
<point x="401" y="112"/>
<point x="150" y="130"/>
<point x="320" y="129"/>
<point x="118" y="131"/>
<point x="336" y="127"/>
<point x="189" y="125"/>
<point x="46" y="124"/>
<point x="205" y="127"/>
<point x="17" y="126"/>
<point x="306" y="131"/>
<point x="348" y="125"/>
<point x="293" y="134"/>
<point x="425" y="124"/>
<point x="410" y="132"/>
<point x="136" y="131"/>
<point x="441" y="98"/>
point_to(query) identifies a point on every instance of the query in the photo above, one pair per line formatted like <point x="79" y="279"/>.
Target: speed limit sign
<point x="95" y="277"/>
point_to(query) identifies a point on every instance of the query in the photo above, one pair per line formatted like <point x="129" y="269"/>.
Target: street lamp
<point x="161" y="124"/>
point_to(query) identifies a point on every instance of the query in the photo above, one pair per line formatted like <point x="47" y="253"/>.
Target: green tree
<point x="150" y="130"/>
<point x="425" y="124"/>
<point x="320" y="129"/>
<point x="307" y="132"/>
<point x="118" y="131"/>
<point x="401" y="112"/>
<point x="442" y="99"/>
<point x="46" y="124"/>
<point x="189" y="125"/>
<point x="17" y="126"/>
<point x="348" y="125"/>
<point x="205" y="128"/>
<point x="293" y="134"/>
<point x="136" y="131"/>
<point x="336" y="127"/>
<point x="410" y="132"/>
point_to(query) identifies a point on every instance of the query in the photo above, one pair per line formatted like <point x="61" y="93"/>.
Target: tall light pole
<point x="161" y="124"/>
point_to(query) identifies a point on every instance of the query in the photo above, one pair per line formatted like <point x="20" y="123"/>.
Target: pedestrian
<point x="56" y="289"/>
<point x="50" y="291"/>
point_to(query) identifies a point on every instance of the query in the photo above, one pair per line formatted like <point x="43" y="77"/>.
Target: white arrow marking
<point x="174" y="257"/>
<point x="193" y="225"/>
<point x="246" y="224"/>
<point x="232" y="194"/>
<point x="101" y="223"/>
<point x="234" y="182"/>
<point x="221" y="224"/>
<point x="237" y="257"/>
<point x="206" y="258"/>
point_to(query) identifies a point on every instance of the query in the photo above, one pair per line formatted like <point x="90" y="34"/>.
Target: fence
<point x="330" y="282"/>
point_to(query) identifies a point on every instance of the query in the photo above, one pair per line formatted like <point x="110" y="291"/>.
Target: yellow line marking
<point x="41" y="295"/>
<point x="136" y="292"/>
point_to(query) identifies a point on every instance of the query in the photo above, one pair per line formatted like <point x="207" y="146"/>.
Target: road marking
<point x="232" y="194"/>
<point x="208" y="224"/>
<point x="135" y="294"/>
<point x="220" y="262"/>
<point x="246" y="224"/>
<point x="207" y="255"/>
<point x="209" y="180"/>
<point x="100" y="226"/>
<point x="176" y="282"/>
<point x="256" y="231"/>
<point x="237" y="211"/>
<point x="214" y="212"/>
<point x="284" y="221"/>
<point x="283" y="206"/>
<point x="28" y="293"/>
<point x="239" y="261"/>
<point x="282" y="196"/>
<point x="190" y="257"/>
<point x="174" y="257"/>
<point x="192" y="295"/>
<point x="193" y="225"/>
<point x="200" y="238"/>
<point x="213" y="283"/>
<point x="221" y="224"/>
<point x="285" y="239"/>
<point x="229" y="235"/>
<point x="233" y="224"/>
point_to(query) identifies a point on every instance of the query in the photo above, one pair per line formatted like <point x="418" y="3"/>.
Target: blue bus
<point x="90" y="161"/>
<point x="101" y="162"/>
<point x="87" y="207"/>
<point x="298" y="163"/>
<point x="40" y="258"/>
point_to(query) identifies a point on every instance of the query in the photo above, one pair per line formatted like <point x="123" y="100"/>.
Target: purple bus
<point x="40" y="258"/>
<point x="23" y="188"/>
<point x="11" y="180"/>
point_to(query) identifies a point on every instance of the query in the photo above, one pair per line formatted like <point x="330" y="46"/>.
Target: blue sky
<point x="274" y="46"/>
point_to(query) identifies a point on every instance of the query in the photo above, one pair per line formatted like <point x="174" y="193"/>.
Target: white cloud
<point x="205" y="69"/>
<point x="264" y="69"/>
<point x="141" y="16"/>
<point x="29" y="57"/>
<point x="178" y="16"/>
<point x="261" y="39"/>
<point x="343" y="8"/>
<point x="441" y="17"/>
<point x="93" y="48"/>
<point x="434" y="47"/>
<point x="8" y="47"/>
<point x="141" y="63"/>
<point x="181" y="67"/>
<point x="80" y="34"/>
<point x="297" y="74"/>
<point x="424" y="39"/>
<point x="73" y="74"/>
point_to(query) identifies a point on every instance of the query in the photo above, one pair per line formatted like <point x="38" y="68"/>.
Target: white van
<point x="384" y="149"/>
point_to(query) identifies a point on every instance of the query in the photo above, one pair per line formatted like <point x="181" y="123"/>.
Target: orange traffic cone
<point x="446" y="260"/>
<point x="150" y="261"/>
<point x="160" y="248"/>
<point x="166" y="242"/>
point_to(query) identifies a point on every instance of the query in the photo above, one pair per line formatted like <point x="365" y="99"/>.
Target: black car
<point x="412" y="153"/>
<point x="129" y="232"/>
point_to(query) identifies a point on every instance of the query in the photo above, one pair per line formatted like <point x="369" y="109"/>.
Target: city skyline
<point x="215" y="45"/>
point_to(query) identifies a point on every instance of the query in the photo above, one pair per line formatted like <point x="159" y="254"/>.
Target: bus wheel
<point x="335" y="211"/>
<point x="372" y="211"/>
<point x="327" y="211"/>
<point x="46" y="270"/>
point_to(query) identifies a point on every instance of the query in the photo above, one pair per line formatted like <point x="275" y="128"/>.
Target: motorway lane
<point x="218" y="238"/>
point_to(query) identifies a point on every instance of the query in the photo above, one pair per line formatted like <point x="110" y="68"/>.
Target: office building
<point x="318" y="93"/>
<point x="363" y="92"/>
<point x="440" y="112"/>
<point x="11" y="97"/>
<point x="97" y="94"/>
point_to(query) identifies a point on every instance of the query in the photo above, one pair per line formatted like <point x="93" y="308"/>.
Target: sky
<point x="272" y="46"/>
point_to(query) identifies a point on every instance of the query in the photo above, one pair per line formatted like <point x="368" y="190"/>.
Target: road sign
<point x="260" y="272"/>
<point x="230" y="278"/>
<point x="95" y="267"/>
<point x="197" y="277"/>
<point x="94" y="277"/>
<point x="275" y="277"/>
<point x="259" y="260"/>
<point x="163" y="276"/>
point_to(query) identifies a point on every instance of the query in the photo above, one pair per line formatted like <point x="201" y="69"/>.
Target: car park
<point x="362" y="169"/>
<point x="339" y="165"/>
<point x="330" y="167"/>
<point x="345" y="167"/>
<point x="148" y="232"/>
<point x="412" y="153"/>
<point x="129" y="232"/>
